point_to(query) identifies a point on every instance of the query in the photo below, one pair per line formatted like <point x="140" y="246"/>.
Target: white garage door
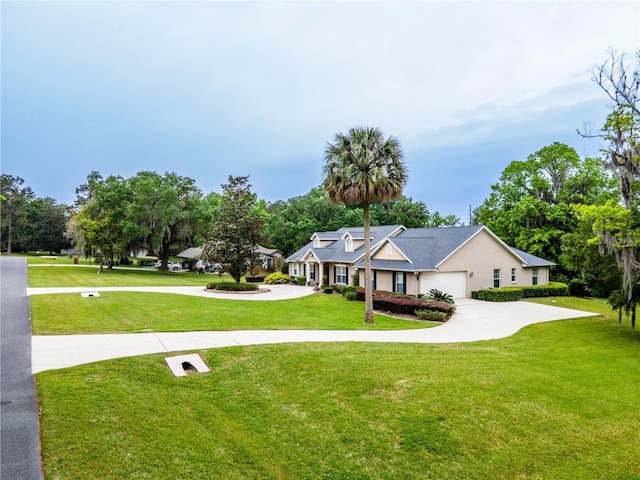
<point x="453" y="283"/>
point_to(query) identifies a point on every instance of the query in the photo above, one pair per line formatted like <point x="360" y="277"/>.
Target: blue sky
<point x="212" y="89"/>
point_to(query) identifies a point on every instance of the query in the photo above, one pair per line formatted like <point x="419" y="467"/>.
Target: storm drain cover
<point x="182" y="365"/>
<point x="89" y="294"/>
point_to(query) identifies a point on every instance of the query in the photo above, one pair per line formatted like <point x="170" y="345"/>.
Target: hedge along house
<point x="455" y="260"/>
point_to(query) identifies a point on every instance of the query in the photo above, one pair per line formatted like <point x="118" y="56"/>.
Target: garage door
<point x="453" y="283"/>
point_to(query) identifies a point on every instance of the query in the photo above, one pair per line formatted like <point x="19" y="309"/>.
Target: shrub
<point x="431" y="315"/>
<point x="355" y="279"/>
<point x="327" y="289"/>
<point x="301" y="280"/>
<point x="577" y="288"/>
<point x="404" y="304"/>
<point x="474" y="294"/>
<point x="350" y="295"/>
<point x="255" y="278"/>
<point x="438" y="296"/>
<point x="346" y="290"/>
<point x="553" y="289"/>
<point x="277" y="278"/>
<point x="509" y="294"/>
<point x="232" y="287"/>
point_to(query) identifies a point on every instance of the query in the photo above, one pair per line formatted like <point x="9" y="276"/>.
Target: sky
<point x="209" y="89"/>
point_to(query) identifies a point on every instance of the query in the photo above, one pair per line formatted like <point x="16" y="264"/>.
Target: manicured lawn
<point x="556" y="401"/>
<point x="115" y="312"/>
<point x="77" y="276"/>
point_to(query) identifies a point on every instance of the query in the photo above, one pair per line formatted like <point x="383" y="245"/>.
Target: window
<point x="399" y="282"/>
<point x="312" y="271"/>
<point x="348" y="244"/>
<point x="513" y="275"/>
<point x="295" y="269"/>
<point x="316" y="242"/>
<point x="341" y="275"/>
<point x="534" y="276"/>
<point x="496" y="278"/>
<point x="389" y="250"/>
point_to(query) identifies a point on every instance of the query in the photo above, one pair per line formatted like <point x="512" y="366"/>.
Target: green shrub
<point x="474" y="295"/>
<point x="438" y="296"/>
<point x="355" y="279"/>
<point x="232" y="286"/>
<point x="350" y="295"/>
<point x="327" y="289"/>
<point x="431" y="315"/>
<point x="277" y="278"/>
<point x="301" y="280"/>
<point x="577" y="288"/>
<point x="346" y="290"/>
<point x="553" y="289"/>
<point x="509" y="294"/>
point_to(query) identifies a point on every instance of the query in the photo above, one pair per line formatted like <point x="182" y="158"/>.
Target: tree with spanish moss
<point x="363" y="167"/>
<point x="617" y="225"/>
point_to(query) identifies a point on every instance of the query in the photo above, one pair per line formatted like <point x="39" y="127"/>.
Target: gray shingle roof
<point x="532" y="260"/>
<point x="336" y="251"/>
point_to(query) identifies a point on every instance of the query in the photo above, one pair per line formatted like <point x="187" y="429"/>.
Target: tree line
<point x="165" y="213"/>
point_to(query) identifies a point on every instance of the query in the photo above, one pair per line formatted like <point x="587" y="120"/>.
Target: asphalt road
<point x="20" y="455"/>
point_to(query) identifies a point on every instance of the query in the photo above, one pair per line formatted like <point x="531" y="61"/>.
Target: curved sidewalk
<point x="473" y="321"/>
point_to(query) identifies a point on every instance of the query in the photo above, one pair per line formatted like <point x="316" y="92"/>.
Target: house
<point x="455" y="260"/>
<point x="267" y="255"/>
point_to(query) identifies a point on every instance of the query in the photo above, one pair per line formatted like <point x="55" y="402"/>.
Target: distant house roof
<point x="424" y="249"/>
<point x="193" y="252"/>
<point x="196" y="252"/>
<point x="270" y="252"/>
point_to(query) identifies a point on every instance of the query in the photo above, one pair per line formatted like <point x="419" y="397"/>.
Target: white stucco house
<point x="455" y="260"/>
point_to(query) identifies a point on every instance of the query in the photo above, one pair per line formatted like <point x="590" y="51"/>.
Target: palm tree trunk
<point x="368" y="294"/>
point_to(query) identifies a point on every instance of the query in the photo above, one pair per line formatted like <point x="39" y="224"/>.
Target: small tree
<point x="237" y="229"/>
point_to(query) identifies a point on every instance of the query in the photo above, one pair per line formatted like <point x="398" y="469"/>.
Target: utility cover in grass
<point x="181" y="365"/>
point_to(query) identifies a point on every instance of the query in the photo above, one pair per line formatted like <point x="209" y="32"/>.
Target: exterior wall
<point x="382" y="253"/>
<point x="481" y="255"/>
<point x="357" y="244"/>
<point x="384" y="281"/>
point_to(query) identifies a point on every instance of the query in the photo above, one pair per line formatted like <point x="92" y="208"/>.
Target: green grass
<point x="556" y="401"/>
<point x="71" y="276"/>
<point x="60" y="260"/>
<point x="114" y="312"/>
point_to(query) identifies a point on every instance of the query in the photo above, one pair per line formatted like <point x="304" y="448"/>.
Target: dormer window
<point x="348" y="244"/>
<point x="316" y="242"/>
<point x="389" y="250"/>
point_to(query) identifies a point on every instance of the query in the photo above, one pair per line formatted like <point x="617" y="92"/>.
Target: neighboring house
<point x="455" y="260"/>
<point x="267" y="255"/>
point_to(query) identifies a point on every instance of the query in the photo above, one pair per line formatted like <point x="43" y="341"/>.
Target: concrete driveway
<point x="473" y="321"/>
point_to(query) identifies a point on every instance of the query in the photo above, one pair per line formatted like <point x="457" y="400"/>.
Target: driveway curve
<point x="473" y="321"/>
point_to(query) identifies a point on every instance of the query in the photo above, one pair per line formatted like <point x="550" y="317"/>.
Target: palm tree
<point x="362" y="168"/>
